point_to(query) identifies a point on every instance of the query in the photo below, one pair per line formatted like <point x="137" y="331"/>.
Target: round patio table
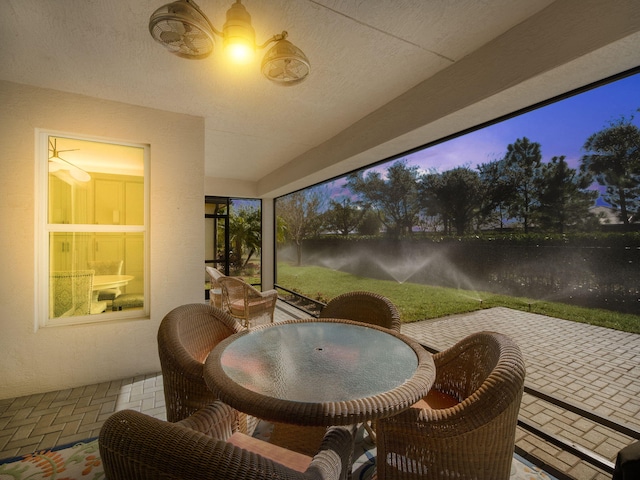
<point x="105" y="282"/>
<point x="319" y="372"/>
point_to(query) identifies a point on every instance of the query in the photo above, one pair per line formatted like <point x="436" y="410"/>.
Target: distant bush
<point x="588" y="269"/>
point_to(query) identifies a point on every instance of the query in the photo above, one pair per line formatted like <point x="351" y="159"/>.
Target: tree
<point x="563" y="196"/>
<point x="301" y="211"/>
<point x="245" y="233"/>
<point x="495" y="192"/>
<point x="343" y="217"/>
<point x="370" y="223"/>
<point x="395" y="197"/>
<point x="281" y="229"/>
<point x="455" y="195"/>
<point x="613" y="157"/>
<point x="521" y="168"/>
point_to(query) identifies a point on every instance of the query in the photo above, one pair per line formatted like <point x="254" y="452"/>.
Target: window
<point x="233" y="238"/>
<point x="542" y="204"/>
<point x="92" y="233"/>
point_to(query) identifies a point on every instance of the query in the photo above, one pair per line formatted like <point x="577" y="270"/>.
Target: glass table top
<point x="319" y="372"/>
<point x="319" y="362"/>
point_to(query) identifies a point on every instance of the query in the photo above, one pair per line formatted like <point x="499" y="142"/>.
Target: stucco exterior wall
<point x="36" y="360"/>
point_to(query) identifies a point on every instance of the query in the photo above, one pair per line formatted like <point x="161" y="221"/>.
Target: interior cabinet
<point x="69" y="203"/>
<point x="108" y="246"/>
<point x="134" y="261"/>
<point x="59" y="248"/>
<point x="119" y="202"/>
<point x="105" y="200"/>
<point x="134" y="202"/>
<point x="109" y="202"/>
<point x="69" y="251"/>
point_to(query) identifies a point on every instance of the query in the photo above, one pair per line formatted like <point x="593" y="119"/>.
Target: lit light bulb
<point x="240" y="52"/>
<point x="239" y="36"/>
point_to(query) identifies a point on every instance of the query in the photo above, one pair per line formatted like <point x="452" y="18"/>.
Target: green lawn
<point x="418" y="302"/>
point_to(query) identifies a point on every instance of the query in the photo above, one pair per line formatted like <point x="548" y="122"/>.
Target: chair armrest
<point x="217" y="420"/>
<point x="334" y="460"/>
<point x="270" y="294"/>
<point x="252" y="292"/>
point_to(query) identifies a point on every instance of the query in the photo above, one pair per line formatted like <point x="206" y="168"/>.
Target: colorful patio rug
<point x="66" y="462"/>
<point x="81" y="461"/>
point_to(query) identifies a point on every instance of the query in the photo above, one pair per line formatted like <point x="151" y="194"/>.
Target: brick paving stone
<point x="26" y="442"/>
<point x="67" y="419"/>
<point x="23" y="432"/>
<point x="49" y="440"/>
<point x="541" y="418"/>
<point x="23" y="413"/>
<point x="63" y="394"/>
<point x="45" y="421"/>
<point x="583" y="471"/>
<point x="608" y="449"/>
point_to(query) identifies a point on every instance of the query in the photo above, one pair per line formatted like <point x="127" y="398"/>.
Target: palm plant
<point x="245" y="234"/>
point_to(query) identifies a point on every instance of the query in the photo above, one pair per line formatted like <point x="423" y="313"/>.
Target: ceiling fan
<point x="183" y="29"/>
<point x="56" y="162"/>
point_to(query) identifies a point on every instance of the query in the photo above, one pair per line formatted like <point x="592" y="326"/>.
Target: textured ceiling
<point x="363" y="54"/>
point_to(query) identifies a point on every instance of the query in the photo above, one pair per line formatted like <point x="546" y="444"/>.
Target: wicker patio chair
<point x="246" y="303"/>
<point x="365" y="307"/>
<point x="207" y="446"/>
<point x="215" y="290"/>
<point x="186" y="336"/>
<point x="71" y="294"/>
<point x="104" y="267"/>
<point x="469" y="432"/>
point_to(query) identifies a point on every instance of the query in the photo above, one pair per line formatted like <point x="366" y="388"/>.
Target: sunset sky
<point x="560" y="128"/>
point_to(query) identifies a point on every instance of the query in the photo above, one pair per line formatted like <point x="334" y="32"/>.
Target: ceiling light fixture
<point x="183" y="29"/>
<point x="56" y="162"/>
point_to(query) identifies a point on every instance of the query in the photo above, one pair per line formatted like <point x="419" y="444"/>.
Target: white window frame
<point x="43" y="230"/>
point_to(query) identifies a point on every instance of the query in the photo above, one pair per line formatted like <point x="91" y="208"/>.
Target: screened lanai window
<point x="92" y="243"/>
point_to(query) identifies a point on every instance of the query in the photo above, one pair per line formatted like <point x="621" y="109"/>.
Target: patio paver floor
<point x="595" y="367"/>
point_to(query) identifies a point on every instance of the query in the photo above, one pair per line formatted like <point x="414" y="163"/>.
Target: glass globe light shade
<point x="239" y="36"/>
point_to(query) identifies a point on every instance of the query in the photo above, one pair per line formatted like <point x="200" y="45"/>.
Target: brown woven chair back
<point x="365" y="307"/>
<point x="233" y="291"/>
<point x="473" y="439"/>
<point x="135" y="446"/>
<point x="186" y="336"/>
<point x="246" y="303"/>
